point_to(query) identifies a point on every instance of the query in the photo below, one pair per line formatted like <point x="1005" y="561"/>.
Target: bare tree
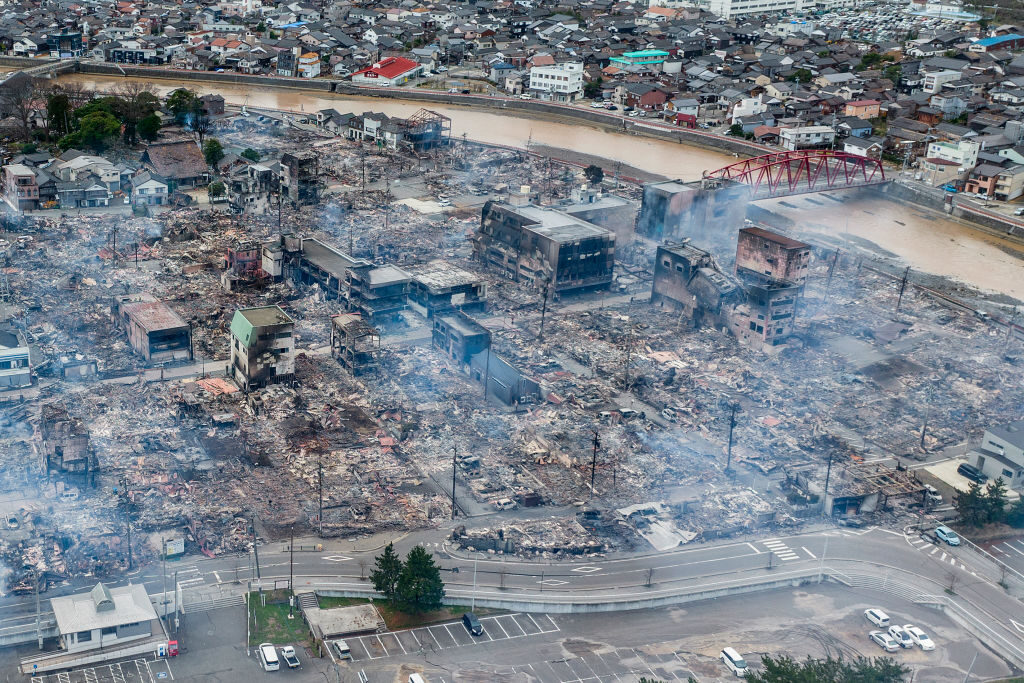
<point x="137" y="100"/>
<point x="20" y="98"/>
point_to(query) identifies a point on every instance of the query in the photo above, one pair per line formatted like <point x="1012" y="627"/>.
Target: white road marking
<point x="813" y="556"/>
<point x="587" y="570"/>
<point x="754" y="548"/>
<point x="935" y="550"/>
<point x="1017" y="625"/>
<point x="1014" y="549"/>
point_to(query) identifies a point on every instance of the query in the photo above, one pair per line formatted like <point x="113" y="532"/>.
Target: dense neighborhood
<point x="931" y="88"/>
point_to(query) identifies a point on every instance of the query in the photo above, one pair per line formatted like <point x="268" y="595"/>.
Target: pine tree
<point x="385" y="576"/>
<point x="420" y="588"/>
<point x="970" y="505"/>
<point x="995" y="501"/>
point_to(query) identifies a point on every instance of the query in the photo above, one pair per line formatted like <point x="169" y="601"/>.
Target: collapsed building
<point x="544" y="247"/>
<point x="300" y="177"/>
<point x="243" y="266"/>
<point x="355" y="344"/>
<point x="156" y="332"/>
<point x="439" y="287"/>
<point x="757" y="304"/>
<point x="64" y="441"/>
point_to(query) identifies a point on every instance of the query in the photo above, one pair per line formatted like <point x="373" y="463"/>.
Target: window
<point x="83" y="636"/>
<point x="108" y="631"/>
<point x="1008" y="474"/>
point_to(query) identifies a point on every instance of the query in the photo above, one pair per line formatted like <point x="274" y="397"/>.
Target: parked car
<point x="971" y="472"/>
<point x="898" y="634"/>
<point x="919" y="637"/>
<point x="1019" y="212"/>
<point x="524" y="96"/>
<point x="932" y="494"/>
<point x="472" y="624"/>
<point x="884" y="641"/>
<point x="877" y="617"/>
<point x="342" y="649"/>
<point x="944" y="533"/>
<point x="12" y="522"/>
<point x="734" y="662"/>
<point x="612" y="107"/>
<point x="289" y="657"/>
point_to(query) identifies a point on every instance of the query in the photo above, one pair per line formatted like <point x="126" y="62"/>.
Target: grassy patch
<point x="270" y="623"/>
<point x="397" y="619"/>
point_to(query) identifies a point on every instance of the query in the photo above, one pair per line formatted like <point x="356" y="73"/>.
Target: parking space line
<point x="535" y="623"/>
<point x="1014" y="549"/>
<point x="399" y="641"/>
<point x="934" y="550"/>
<point x="443" y="647"/>
<point x="451" y="635"/>
<point x="418" y="643"/>
<point x="641" y="658"/>
<point x="519" y="626"/>
<point x="383" y="646"/>
<point x="496" y="621"/>
<point x="553" y="624"/>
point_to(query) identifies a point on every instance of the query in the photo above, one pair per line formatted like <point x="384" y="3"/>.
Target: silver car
<point x="884" y="641"/>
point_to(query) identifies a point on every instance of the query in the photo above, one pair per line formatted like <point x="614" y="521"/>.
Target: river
<point x="926" y="240"/>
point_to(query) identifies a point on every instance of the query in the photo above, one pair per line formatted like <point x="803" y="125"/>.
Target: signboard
<point x="175" y="546"/>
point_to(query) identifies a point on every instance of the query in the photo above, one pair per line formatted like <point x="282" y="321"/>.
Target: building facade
<point x="558" y="82"/>
<point x="262" y="346"/>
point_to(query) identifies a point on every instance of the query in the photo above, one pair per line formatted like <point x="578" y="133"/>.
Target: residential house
<point x="180" y="163"/>
<point x="20" y="188"/>
<point x="148" y="189"/>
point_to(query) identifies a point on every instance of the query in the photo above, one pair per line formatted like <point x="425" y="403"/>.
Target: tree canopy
<point x="213" y="152"/>
<point x="785" y="669"/>
<point x="420" y="588"/>
<point x="96" y="131"/>
<point x="388" y="568"/>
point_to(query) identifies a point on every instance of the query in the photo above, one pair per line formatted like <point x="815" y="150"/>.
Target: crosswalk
<point x="941" y="553"/>
<point x="781" y="550"/>
<point x="190" y="576"/>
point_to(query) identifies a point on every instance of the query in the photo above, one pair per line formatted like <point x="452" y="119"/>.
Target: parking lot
<point x="448" y="636"/>
<point x="131" y="671"/>
<point x="623" y="664"/>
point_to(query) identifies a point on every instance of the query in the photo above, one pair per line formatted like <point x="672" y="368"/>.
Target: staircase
<point x="307" y="601"/>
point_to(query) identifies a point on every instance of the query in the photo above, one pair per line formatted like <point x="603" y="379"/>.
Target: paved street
<point x="132" y="671"/>
<point x="1011" y="552"/>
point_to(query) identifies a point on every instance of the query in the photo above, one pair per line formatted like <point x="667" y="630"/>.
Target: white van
<point x="734" y="662"/>
<point x="416" y="678"/>
<point x="268" y="657"/>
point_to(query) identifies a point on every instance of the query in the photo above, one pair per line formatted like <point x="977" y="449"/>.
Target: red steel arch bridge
<point x="781" y="174"/>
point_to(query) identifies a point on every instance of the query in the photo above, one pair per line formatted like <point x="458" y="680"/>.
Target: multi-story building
<point x="262" y="346"/>
<point x="15" y="359"/>
<point x="706" y="211"/>
<point x="157" y="333"/>
<point x="1001" y="454"/>
<point x="645" y="57"/>
<point x="308" y="65"/>
<point x="558" y="82"/>
<point x="963" y="153"/>
<point x="733" y="8"/>
<point x="933" y="81"/>
<point x="545" y="247"/>
<point x="20" y="187"/>
<point x="806" y="137"/>
<point x="763" y="256"/>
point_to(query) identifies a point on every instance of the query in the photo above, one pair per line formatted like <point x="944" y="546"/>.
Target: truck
<point x="290" y="658"/>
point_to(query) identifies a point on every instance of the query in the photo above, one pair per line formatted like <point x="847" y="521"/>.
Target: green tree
<point x="261" y="27"/>
<point x="149" y="127"/>
<point x="420" y="588"/>
<point x="216" y="189"/>
<point x="1015" y="515"/>
<point x="594" y="174"/>
<point x="59" y="113"/>
<point x="592" y="89"/>
<point x="388" y="570"/>
<point x="251" y="154"/>
<point x="995" y="501"/>
<point x="736" y="130"/>
<point x="213" y="152"/>
<point x="135" y="101"/>
<point x="823" y="53"/>
<point x="868" y="61"/>
<point x="95" y="131"/>
<point x="970" y="505"/>
<point x="785" y="669"/>
<point x="29" y="148"/>
<point x="893" y="73"/>
<point x="181" y="103"/>
<point x="801" y="76"/>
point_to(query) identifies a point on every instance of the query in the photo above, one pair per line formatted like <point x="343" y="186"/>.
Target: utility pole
<point x="544" y="310"/>
<point x="130" y="563"/>
<point x="255" y="550"/>
<point x="291" y="569"/>
<point x="39" y="632"/>
<point x="487" y="370"/>
<point x="828" y="475"/>
<point x="1009" y="328"/>
<point x="455" y="454"/>
<point x="320" y="488"/>
<point x="629" y="352"/>
<point x="163" y="573"/>
<point x="831" y="269"/>
<point x="175" y="610"/>
<point x="903" y="285"/>
<point x="732" y="424"/>
<point x="593" y="463"/>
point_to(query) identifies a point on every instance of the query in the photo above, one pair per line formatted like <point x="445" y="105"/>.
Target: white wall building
<point x="934" y="80"/>
<point x="733" y="8"/>
<point x="558" y="82"/>
<point x="748" y="107"/>
<point x="806" y="137"/>
<point x="963" y="153"/>
<point x="104" y="617"/>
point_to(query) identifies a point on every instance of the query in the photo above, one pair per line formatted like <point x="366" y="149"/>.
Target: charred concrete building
<point x="705" y="211"/>
<point x="355" y="344"/>
<point x="64" y="441"/>
<point x="439" y="287"/>
<point x="243" y="267"/>
<point x="687" y="280"/>
<point x="156" y="332"/>
<point x="300" y="177"/>
<point x="604" y="210"/>
<point x="262" y="346"/>
<point x="763" y="256"/>
<point x="545" y="247"/>
<point x="459" y="337"/>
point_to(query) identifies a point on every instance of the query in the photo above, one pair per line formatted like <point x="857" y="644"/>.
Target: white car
<point x="901" y="636"/>
<point x="877" y="617"/>
<point x="884" y="641"/>
<point x="919" y="637"/>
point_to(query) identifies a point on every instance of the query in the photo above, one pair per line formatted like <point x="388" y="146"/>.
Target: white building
<point x="262" y="346"/>
<point x="733" y="8"/>
<point x="1001" y="454"/>
<point x="963" y="153"/>
<point x="748" y="106"/>
<point x="806" y="137"/>
<point x="309" y="65"/>
<point x="558" y="82"/>
<point x="15" y="359"/>
<point x="105" y="617"/>
<point x="934" y="80"/>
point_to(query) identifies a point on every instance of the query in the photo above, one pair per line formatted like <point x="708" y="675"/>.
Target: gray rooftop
<point x="328" y="258"/>
<point x="558" y="226"/>
<point x="438" y="275"/>
<point x="83" y="612"/>
<point x="1012" y="432"/>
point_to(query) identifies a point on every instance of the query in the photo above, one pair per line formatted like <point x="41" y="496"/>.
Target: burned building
<point x="355" y="344"/>
<point x="604" y="210"/>
<point x="300" y="177"/>
<point x="438" y="287"/>
<point x="545" y="247"/>
<point x="459" y="337"/>
<point x="378" y="292"/>
<point x="243" y="266"/>
<point x="15" y="359"/>
<point x="64" y="441"/>
<point x="767" y="316"/>
<point x="706" y="211"/>
<point x="423" y="131"/>
<point x="687" y="279"/>
<point x="764" y="256"/>
<point x="262" y="346"/>
<point x="156" y="332"/>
